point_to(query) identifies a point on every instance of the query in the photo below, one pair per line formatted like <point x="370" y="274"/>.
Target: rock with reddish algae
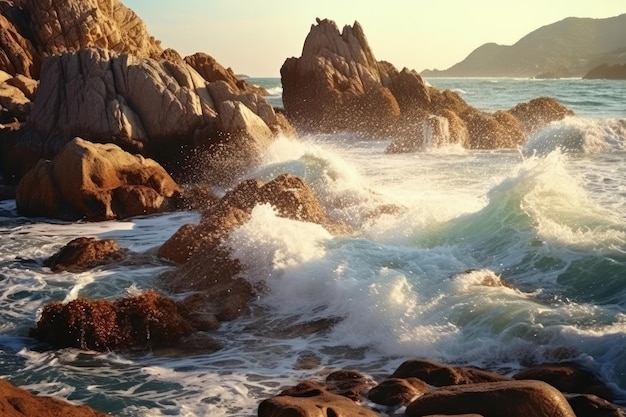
<point x="84" y="253"/>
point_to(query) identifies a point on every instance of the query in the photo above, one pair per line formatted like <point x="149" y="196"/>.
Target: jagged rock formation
<point x="568" y="48"/>
<point x="97" y="182"/>
<point x="337" y="84"/>
<point x="161" y="109"/>
<point x="211" y="70"/>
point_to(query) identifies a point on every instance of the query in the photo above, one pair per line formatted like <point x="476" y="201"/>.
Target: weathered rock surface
<point x="289" y="194"/>
<point x="84" y="253"/>
<point x="337" y="84"/>
<point x="160" y="109"/>
<point x="17" y="54"/>
<point x="311" y="399"/>
<point x="438" y="375"/>
<point x="568" y="377"/>
<point x="18" y="402"/>
<point x="494" y="399"/>
<point x="397" y="391"/>
<point x="587" y="405"/>
<point x="149" y="320"/>
<point x="95" y="181"/>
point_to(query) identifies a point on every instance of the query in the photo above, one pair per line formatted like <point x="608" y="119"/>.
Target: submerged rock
<point x="84" y="253"/>
<point x="97" y="182"/>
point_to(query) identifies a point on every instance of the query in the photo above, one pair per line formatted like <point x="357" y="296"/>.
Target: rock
<point x="309" y="399"/>
<point x="14" y="100"/>
<point x="149" y="320"/>
<point x="26" y="85"/>
<point x="84" y="253"/>
<point x="289" y="194"/>
<point x="95" y="181"/>
<point x="437" y="374"/>
<point x="161" y="109"/>
<point x="350" y="384"/>
<point x="397" y="391"/>
<point x="64" y="25"/>
<point x="336" y="83"/>
<point x="607" y="72"/>
<point x="18" y="402"/>
<point x="17" y="54"/>
<point x="587" y="405"/>
<point x="494" y="399"/>
<point x="537" y="113"/>
<point x="211" y="70"/>
<point x="568" y="377"/>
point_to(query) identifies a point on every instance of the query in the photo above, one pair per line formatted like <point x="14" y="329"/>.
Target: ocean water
<point x="500" y="259"/>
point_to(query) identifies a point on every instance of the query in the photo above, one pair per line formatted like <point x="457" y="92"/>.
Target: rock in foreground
<point x="84" y="253"/>
<point x="96" y="182"/>
<point x="17" y="402"/>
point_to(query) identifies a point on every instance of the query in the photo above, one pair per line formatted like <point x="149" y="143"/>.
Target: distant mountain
<point x="568" y="48"/>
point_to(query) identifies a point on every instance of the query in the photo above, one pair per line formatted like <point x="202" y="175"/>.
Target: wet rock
<point x="97" y="182"/>
<point x="397" y="391"/>
<point x="149" y="320"/>
<point x="18" y="402"/>
<point x="85" y="253"/>
<point x="350" y="384"/>
<point x="587" y="405"/>
<point x="537" y="113"/>
<point x="310" y="399"/>
<point x="568" y="377"/>
<point x="494" y="399"/>
<point x="438" y="375"/>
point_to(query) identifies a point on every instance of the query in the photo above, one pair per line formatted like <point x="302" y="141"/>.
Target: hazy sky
<point x="254" y="37"/>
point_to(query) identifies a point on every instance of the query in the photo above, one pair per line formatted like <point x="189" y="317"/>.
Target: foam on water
<point x="574" y="134"/>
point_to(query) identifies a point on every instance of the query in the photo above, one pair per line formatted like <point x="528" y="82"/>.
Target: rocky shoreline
<point x="99" y="122"/>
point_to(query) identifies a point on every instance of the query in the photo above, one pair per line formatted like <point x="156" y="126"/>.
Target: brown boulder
<point x="568" y="377"/>
<point x="211" y="70"/>
<point x="17" y="54"/>
<point x="397" y="391"/>
<point x="63" y="25"/>
<point x="18" y="402"/>
<point x="84" y="253"/>
<point x="310" y="399"/>
<point x="336" y="83"/>
<point x="95" y="181"/>
<point x="438" y="375"/>
<point x="149" y="320"/>
<point x="15" y="101"/>
<point x="537" y="113"/>
<point x="587" y="405"/>
<point x="494" y="399"/>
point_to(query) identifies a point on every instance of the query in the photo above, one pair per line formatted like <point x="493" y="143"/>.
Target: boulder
<point x="587" y="405"/>
<point x="397" y="391"/>
<point x="310" y="399"/>
<point x="568" y="377"/>
<point x="60" y="26"/>
<point x="149" y="320"/>
<point x="289" y="194"/>
<point x="350" y="384"/>
<point x="15" y="101"/>
<point x="494" y="399"/>
<point x="26" y="85"/>
<point x="84" y="253"/>
<point x="95" y="181"/>
<point x="18" y="402"/>
<point x="438" y="375"/>
<point x="160" y="109"/>
<point x="336" y="83"/>
<point x="537" y="113"/>
<point x="211" y="70"/>
<point x="17" y="54"/>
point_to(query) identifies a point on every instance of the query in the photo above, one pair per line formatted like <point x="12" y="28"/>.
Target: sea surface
<point x="499" y="259"/>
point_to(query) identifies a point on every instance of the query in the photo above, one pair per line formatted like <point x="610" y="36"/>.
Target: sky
<point x="255" y="37"/>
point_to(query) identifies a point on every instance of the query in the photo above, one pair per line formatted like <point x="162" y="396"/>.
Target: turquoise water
<point x="548" y="219"/>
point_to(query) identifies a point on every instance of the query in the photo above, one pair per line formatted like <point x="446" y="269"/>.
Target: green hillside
<point x="568" y="48"/>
